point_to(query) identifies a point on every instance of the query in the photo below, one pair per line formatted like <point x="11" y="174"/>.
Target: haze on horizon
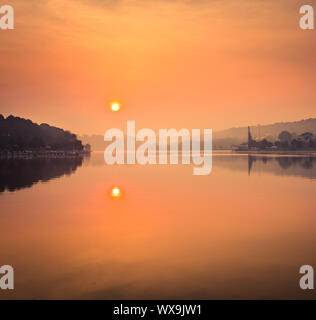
<point x="185" y="63"/>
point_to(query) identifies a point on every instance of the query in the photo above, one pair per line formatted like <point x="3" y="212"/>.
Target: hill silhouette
<point x="235" y="136"/>
<point x="21" y="134"/>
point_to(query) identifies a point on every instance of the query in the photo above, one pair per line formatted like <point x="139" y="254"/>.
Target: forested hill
<point x="235" y="136"/>
<point x="21" y="134"/>
<point x="273" y="130"/>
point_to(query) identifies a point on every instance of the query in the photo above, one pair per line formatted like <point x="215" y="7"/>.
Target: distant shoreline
<point x="42" y="154"/>
<point x="73" y="154"/>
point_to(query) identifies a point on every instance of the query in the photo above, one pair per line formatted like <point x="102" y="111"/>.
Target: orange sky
<point x="180" y="63"/>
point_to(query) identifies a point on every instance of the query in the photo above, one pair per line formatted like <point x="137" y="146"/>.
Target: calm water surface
<point x="241" y="232"/>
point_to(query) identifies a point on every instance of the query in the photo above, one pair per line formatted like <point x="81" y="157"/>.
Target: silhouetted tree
<point x="284" y="137"/>
<point x="297" y="144"/>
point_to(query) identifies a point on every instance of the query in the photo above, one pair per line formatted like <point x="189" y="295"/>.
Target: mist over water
<point x="241" y="232"/>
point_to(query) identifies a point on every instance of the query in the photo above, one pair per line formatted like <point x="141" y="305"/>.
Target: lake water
<point x="241" y="232"/>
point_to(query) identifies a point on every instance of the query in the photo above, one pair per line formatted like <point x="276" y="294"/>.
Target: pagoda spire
<point x="250" y="140"/>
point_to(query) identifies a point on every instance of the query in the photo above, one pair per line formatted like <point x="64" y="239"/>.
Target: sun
<point x="115" y="106"/>
<point x="116" y="192"/>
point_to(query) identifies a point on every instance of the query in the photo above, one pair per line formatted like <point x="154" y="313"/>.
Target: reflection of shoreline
<point x="289" y="166"/>
<point x="309" y="153"/>
<point x="280" y="165"/>
<point x="16" y="174"/>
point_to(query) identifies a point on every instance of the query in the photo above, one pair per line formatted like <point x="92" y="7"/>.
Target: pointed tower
<point x="250" y="140"/>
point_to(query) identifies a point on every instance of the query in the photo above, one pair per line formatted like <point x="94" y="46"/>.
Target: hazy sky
<point x="179" y="63"/>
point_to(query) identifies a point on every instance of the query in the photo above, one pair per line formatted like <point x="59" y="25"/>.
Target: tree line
<point x="18" y="134"/>
<point x="287" y="141"/>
